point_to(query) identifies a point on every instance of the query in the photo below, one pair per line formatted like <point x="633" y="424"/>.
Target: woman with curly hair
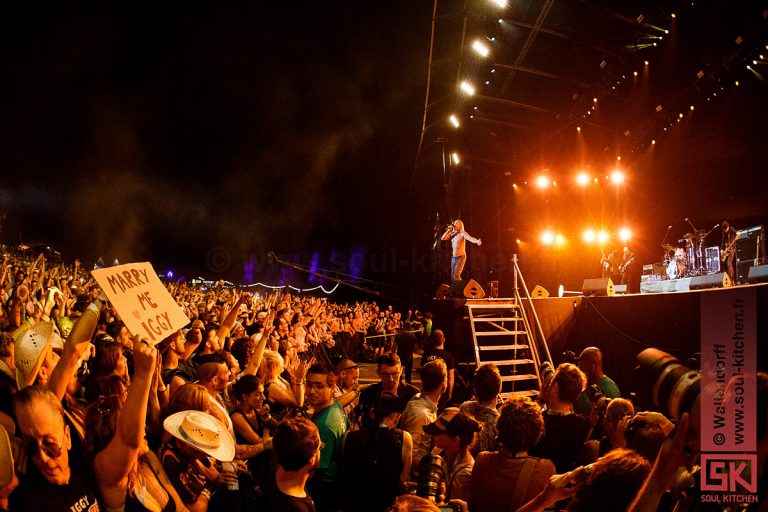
<point x="508" y="478"/>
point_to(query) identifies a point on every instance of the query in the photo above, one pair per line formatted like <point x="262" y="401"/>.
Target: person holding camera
<point x="389" y="369"/>
<point x="422" y="409"/>
<point x="376" y="460"/>
<point x="486" y="385"/>
<point x="610" y="483"/>
<point x="591" y="363"/>
<point x="644" y="432"/>
<point x="454" y="432"/>
<point x="610" y="427"/>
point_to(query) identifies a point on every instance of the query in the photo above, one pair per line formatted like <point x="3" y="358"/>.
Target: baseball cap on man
<point x="453" y="422"/>
<point x="346" y="364"/>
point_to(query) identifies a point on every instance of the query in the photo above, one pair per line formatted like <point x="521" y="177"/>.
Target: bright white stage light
<point x="480" y="48"/>
<point x="467" y="87"/>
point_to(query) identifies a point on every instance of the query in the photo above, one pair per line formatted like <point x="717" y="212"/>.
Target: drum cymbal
<point x="667" y="247"/>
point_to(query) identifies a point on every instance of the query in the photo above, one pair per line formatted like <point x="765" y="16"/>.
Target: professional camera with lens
<point x="686" y="489"/>
<point x="594" y="393"/>
<point x="635" y="425"/>
<point x="547" y="371"/>
<point x="432" y="473"/>
<point x="676" y="388"/>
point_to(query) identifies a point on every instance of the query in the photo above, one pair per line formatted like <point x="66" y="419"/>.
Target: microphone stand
<point x="711" y="230"/>
<point x="696" y="246"/>
<point x="437" y="234"/>
<point x="664" y="241"/>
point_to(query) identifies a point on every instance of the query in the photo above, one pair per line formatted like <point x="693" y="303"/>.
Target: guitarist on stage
<point x="728" y="248"/>
<point x="607" y="264"/>
<point x="627" y="268"/>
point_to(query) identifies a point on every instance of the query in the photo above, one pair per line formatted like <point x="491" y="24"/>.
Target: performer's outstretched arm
<point x="472" y="239"/>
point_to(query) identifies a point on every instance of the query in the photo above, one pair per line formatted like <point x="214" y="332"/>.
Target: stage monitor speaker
<point x="719" y="280"/>
<point x="758" y="274"/>
<point x="598" y="286"/>
<point x="442" y="291"/>
<point x="539" y="292"/>
<point x="466" y="289"/>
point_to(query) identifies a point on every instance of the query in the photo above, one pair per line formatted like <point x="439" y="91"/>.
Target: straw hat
<point x="29" y="350"/>
<point x="202" y="431"/>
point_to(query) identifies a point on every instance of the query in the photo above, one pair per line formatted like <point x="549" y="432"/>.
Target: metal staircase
<point x="503" y="334"/>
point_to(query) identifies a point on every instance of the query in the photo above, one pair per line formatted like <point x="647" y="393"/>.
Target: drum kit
<point x="692" y="258"/>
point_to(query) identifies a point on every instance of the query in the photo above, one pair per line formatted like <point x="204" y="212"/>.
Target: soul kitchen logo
<point x="732" y="473"/>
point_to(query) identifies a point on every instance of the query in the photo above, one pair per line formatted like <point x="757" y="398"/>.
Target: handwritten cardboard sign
<point x="141" y="300"/>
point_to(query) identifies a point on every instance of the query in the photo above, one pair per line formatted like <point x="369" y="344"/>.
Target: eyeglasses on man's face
<point x="49" y="447"/>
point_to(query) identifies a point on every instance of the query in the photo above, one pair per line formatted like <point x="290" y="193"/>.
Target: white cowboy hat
<point x="30" y="348"/>
<point x="202" y="431"/>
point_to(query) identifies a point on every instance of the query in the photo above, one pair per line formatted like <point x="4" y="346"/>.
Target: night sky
<point x="181" y="135"/>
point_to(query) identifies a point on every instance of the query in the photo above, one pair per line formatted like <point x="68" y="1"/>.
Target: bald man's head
<point x="591" y="363"/>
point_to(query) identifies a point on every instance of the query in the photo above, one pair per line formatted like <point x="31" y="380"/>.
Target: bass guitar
<point x="727" y="251"/>
<point x="623" y="267"/>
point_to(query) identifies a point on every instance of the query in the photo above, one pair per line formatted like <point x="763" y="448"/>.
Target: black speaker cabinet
<point x="598" y="286"/>
<point x="719" y="280"/>
<point x="442" y="291"/>
<point x="758" y="274"/>
<point x="466" y="289"/>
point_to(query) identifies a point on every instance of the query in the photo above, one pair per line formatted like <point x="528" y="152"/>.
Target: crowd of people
<point x="257" y="405"/>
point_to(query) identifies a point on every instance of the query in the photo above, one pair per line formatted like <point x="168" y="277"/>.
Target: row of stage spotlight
<point x="601" y="237"/>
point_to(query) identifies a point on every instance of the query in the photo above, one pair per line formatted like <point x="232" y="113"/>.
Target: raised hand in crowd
<point x="123" y="464"/>
<point x="298" y="368"/>
<point x="78" y="341"/>
<point x="558" y="488"/>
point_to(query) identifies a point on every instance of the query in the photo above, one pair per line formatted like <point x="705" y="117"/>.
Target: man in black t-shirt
<point x="296" y="447"/>
<point x="51" y="484"/>
<point x="437" y="351"/>
<point x="389" y="371"/>
<point x="564" y="431"/>
<point x="406" y="343"/>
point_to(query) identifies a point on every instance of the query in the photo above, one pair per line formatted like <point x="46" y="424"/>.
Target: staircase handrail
<point x="519" y="275"/>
